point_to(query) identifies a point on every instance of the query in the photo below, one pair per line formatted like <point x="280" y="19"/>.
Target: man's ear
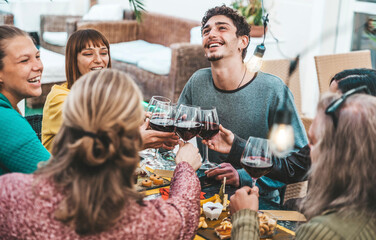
<point x="244" y="41"/>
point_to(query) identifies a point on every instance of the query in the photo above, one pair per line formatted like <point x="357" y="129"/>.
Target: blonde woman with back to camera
<point x="86" y="190"/>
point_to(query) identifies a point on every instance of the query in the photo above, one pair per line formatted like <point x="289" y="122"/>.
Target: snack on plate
<point x="267" y="224"/>
<point x="157" y="181"/>
<point x="154" y="176"/>
<point x="224" y="229"/>
<point x="146" y="183"/>
<point x="202" y="223"/>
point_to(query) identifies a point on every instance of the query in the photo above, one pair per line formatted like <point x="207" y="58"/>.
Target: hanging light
<point x="254" y="64"/>
<point x="282" y="133"/>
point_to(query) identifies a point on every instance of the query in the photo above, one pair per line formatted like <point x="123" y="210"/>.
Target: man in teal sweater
<point x="20" y="148"/>
<point x="246" y="101"/>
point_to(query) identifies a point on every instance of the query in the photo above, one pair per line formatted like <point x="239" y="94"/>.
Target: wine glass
<point x="187" y="121"/>
<point x="209" y="128"/>
<point x="256" y="158"/>
<point x="153" y="102"/>
<point x="150" y="154"/>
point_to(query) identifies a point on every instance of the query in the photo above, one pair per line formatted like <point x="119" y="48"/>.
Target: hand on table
<point x="188" y="153"/>
<point x="222" y="141"/>
<point x="226" y="170"/>
<point x="157" y="139"/>
<point x="245" y="198"/>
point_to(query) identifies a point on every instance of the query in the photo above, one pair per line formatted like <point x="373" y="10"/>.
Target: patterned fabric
<point x="245" y="225"/>
<point x="329" y="226"/>
<point x="52" y="114"/>
<point x="20" y="148"/>
<point x="24" y="214"/>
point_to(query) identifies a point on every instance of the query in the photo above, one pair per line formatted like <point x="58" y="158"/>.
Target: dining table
<point x="210" y="187"/>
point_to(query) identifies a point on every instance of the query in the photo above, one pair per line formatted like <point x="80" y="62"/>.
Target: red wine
<point x="163" y="125"/>
<point x="208" y="130"/>
<point x="187" y="130"/>
<point x="256" y="171"/>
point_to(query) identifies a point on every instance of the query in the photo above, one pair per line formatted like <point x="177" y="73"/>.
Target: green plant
<point x="250" y="9"/>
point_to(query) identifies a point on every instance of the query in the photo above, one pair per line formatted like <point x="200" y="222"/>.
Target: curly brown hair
<point x="242" y="27"/>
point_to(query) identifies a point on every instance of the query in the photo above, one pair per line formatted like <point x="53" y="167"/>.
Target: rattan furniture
<point x="328" y="65"/>
<point x="6" y="18"/>
<point x="161" y="29"/>
<point x="280" y="68"/>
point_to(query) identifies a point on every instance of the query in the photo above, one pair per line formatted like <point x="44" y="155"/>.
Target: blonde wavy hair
<point x="342" y="176"/>
<point x="96" y="151"/>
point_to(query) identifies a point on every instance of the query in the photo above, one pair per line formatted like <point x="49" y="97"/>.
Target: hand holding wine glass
<point x="256" y="158"/>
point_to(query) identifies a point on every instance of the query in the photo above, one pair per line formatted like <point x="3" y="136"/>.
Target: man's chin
<point x="214" y="58"/>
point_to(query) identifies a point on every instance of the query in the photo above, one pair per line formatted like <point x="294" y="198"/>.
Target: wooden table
<point x="285" y="229"/>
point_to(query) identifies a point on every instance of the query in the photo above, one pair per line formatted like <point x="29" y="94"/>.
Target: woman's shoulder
<point x="15" y="182"/>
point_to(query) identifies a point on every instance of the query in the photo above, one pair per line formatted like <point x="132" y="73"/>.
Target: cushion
<point x="196" y="37"/>
<point x="53" y="66"/>
<point x="55" y="38"/>
<point x="151" y="57"/>
<point x="104" y="12"/>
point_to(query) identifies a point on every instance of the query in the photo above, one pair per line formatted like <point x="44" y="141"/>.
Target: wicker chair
<point x="55" y="23"/>
<point x="155" y="28"/>
<point x="280" y="68"/>
<point x="328" y="65"/>
<point x="6" y="18"/>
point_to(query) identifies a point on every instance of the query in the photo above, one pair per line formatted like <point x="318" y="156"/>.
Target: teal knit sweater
<point x="20" y="148"/>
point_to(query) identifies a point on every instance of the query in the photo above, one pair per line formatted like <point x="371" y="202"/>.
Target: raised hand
<point x="225" y="170"/>
<point x="157" y="139"/>
<point x="245" y="198"/>
<point x="188" y="153"/>
<point x="222" y="141"/>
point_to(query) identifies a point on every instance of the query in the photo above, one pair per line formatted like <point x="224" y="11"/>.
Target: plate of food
<point x="268" y="224"/>
<point x="150" y="182"/>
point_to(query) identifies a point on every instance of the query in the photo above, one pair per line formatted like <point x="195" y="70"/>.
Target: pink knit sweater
<point x="25" y="215"/>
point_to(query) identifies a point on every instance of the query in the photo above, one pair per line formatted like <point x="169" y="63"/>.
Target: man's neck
<point x="230" y="75"/>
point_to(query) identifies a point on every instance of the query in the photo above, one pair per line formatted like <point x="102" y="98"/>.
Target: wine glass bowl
<point x="162" y="118"/>
<point x="256" y="158"/>
<point x="154" y="100"/>
<point x="187" y="121"/>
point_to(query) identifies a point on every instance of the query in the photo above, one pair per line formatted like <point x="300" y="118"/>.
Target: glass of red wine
<point x="256" y="158"/>
<point x="149" y="155"/>
<point x="187" y="121"/>
<point x="153" y="102"/>
<point x="209" y="128"/>
<point x="162" y="119"/>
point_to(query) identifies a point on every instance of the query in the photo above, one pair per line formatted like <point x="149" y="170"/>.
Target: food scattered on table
<point x="267" y="224"/>
<point x="224" y="229"/>
<point x="146" y="183"/>
<point x="202" y="223"/>
<point x="212" y="210"/>
<point x="154" y="176"/>
<point x="158" y="181"/>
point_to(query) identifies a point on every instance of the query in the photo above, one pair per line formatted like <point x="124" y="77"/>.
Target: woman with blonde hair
<point x="20" y="74"/>
<point x="86" y="190"/>
<point x="340" y="203"/>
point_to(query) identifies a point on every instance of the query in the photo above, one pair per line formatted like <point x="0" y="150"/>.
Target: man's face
<point x="219" y="38"/>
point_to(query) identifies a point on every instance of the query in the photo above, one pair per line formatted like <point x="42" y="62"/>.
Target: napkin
<point x="166" y="191"/>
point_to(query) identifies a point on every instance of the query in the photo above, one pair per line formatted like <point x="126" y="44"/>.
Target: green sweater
<point x="329" y="226"/>
<point x="20" y="148"/>
<point x="247" y="111"/>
